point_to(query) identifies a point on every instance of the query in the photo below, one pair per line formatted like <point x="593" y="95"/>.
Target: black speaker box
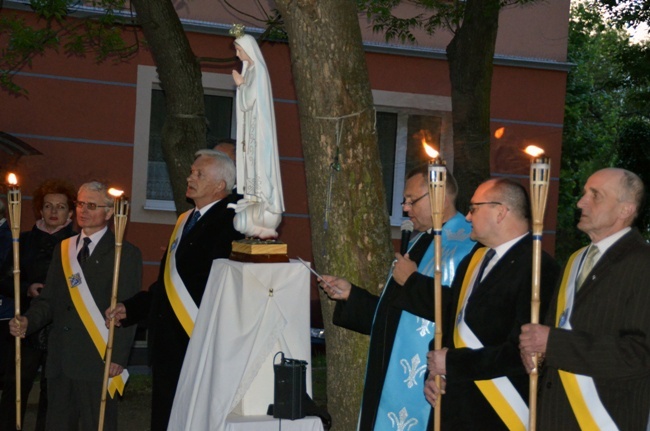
<point x="289" y="388"/>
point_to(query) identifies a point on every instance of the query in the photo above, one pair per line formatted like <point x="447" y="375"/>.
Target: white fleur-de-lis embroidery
<point x="413" y="370"/>
<point x="423" y="329"/>
<point x="459" y="235"/>
<point x="402" y="423"/>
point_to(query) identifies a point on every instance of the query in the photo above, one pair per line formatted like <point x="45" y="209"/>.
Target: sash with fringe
<point x="182" y="303"/>
<point x="84" y="303"/>
<point x="499" y="392"/>
<point x="581" y="390"/>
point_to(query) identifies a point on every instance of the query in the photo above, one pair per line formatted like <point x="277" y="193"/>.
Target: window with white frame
<point x="152" y="200"/>
<point x="404" y="122"/>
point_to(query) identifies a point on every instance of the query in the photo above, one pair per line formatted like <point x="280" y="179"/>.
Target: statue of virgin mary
<point x="260" y="210"/>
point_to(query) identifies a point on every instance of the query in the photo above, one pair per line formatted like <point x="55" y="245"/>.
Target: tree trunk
<point x="184" y="131"/>
<point x="352" y="238"/>
<point x="471" y="54"/>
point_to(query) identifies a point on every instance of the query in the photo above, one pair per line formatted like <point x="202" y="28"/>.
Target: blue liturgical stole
<point x="402" y="404"/>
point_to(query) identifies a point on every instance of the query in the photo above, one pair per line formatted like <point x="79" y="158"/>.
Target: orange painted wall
<point x="81" y="116"/>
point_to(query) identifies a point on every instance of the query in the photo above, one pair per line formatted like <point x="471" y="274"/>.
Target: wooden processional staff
<point x="540" y="170"/>
<point x="437" y="184"/>
<point x="14" y="203"/>
<point x="121" y="211"/>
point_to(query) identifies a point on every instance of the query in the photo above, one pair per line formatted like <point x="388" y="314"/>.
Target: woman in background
<point x="53" y="203"/>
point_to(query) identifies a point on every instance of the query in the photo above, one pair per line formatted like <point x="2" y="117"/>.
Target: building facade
<point x="103" y="121"/>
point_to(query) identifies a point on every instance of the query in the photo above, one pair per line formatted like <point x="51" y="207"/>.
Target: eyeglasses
<point x="52" y="207"/>
<point x="414" y="201"/>
<point x="90" y="205"/>
<point x="473" y="206"/>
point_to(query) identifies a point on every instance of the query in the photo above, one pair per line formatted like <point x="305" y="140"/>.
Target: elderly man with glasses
<point x="78" y="285"/>
<point x="400" y="327"/>
<point x="486" y="383"/>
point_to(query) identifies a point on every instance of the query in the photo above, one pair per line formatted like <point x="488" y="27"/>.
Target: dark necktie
<point x="191" y="222"/>
<point x="486" y="259"/>
<point x="84" y="253"/>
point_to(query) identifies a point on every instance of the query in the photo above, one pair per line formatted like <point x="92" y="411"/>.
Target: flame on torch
<point x="12" y="179"/>
<point x="431" y="152"/>
<point x="115" y="192"/>
<point x="534" y="151"/>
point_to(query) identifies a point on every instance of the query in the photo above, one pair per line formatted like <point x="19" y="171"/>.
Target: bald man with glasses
<point x="486" y="383"/>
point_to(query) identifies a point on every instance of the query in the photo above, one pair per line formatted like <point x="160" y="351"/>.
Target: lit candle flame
<point x="431" y="152"/>
<point x="12" y="179"/>
<point x="534" y="151"/>
<point x="115" y="192"/>
<point x="498" y="133"/>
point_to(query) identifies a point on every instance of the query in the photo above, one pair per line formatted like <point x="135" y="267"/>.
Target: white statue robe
<point x="258" y="165"/>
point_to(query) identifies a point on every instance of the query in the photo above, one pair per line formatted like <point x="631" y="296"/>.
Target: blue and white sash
<point x="402" y="404"/>
<point x="84" y="303"/>
<point x="499" y="392"/>
<point x="581" y="390"/>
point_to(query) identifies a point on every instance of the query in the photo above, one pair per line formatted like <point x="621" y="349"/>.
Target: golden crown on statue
<point x="237" y="30"/>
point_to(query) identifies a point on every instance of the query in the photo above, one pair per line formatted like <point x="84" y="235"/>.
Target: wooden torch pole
<point x="14" y="201"/>
<point x="121" y="210"/>
<point x="437" y="183"/>
<point x="540" y="169"/>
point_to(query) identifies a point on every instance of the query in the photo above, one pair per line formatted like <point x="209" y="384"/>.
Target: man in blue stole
<point x="398" y="326"/>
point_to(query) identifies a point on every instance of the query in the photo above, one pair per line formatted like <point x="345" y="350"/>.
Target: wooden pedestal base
<point x="259" y="251"/>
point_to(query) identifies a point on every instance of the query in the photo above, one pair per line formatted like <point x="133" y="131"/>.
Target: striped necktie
<point x="587" y="265"/>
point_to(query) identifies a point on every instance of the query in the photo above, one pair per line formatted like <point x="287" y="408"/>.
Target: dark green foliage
<point x="606" y="113"/>
<point x="434" y="15"/>
<point x="628" y="12"/>
<point x="101" y="37"/>
<point x="634" y="155"/>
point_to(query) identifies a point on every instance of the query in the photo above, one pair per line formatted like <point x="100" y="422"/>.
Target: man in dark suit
<point x="78" y="286"/>
<point x="596" y="342"/>
<point x="486" y="384"/>
<point x="172" y="301"/>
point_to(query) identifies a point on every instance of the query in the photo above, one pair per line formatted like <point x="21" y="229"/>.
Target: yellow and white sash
<point x="499" y="392"/>
<point x="87" y="309"/>
<point x="580" y="389"/>
<point x="184" y="306"/>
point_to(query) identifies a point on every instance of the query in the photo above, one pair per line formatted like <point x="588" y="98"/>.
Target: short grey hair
<point x="632" y="189"/>
<point x="225" y="166"/>
<point x="96" y="186"/>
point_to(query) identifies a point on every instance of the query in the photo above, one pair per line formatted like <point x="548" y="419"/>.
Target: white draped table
<point x="249" y="311"/>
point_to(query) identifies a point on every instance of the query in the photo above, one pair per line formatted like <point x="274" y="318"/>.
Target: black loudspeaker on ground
<point x="290" y="398"/>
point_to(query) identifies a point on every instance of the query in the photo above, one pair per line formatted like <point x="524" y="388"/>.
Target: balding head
<point x="499" y="212"/>
<point x="611" y="201"/>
